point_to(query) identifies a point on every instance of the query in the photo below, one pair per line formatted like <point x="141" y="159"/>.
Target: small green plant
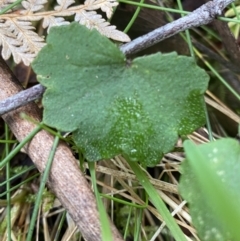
<point x="114" y="106"/>
<point x="117" y="107"/>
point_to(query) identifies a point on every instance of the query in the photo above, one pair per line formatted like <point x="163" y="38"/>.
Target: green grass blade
<point x="9" y="225"/>
<point x="20" y="146"/>
<point x="105" y="226"/>
<point x="41" y="188"/>
<point x="157" y="201"/>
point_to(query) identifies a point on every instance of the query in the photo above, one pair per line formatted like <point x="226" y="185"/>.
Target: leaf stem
<point x="133" y="18"/>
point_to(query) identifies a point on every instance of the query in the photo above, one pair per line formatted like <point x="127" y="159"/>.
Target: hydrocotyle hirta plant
<point x="17" y="33"/>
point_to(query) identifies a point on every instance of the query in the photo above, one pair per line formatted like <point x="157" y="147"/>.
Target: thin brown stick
<point x="65" y="179"/>
<point x="201" y="16"/>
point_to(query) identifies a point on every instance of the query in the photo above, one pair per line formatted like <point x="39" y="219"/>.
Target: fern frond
<point x="93" y="20"/>
<point x="63" y="4"/>
<point x="105" y="5"/>
<point x="19" y="39"/>
<point x="51" y="21"/>
<point x="32" y="6"/>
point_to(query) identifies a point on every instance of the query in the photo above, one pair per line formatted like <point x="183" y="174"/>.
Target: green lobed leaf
<point x="114" y="105"/>
<point x="210" y="183"/>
